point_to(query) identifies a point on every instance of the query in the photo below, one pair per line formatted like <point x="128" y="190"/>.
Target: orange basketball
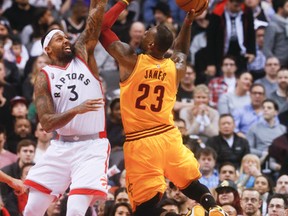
<point x="188" y="5"/>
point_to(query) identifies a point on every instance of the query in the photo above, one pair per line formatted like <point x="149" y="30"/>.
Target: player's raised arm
<point x="122" y="52"/>
<point x="88" y="39"/>
<point x="182" y="42"/>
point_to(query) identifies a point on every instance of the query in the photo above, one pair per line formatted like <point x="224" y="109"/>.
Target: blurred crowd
<point x="231" y="108"/>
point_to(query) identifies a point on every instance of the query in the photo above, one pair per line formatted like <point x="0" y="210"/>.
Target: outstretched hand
<point x="18" y="186"/>
<point x="90" y="105"/>
<point x="205" y="6"/>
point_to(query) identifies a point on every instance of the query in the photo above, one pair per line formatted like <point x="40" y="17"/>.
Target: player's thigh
<point x="144" y="161"/>
<point x="90" y="165"/>
<point x="181" y="165"/>
<point x="52" y="172"/>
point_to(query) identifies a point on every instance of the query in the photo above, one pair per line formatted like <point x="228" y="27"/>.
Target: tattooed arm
<point x="88" y="39"/>
<point x="49" y="119"/>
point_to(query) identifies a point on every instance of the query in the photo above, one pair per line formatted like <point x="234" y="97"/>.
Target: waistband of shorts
<point x="78" y="138"/>
<point x="148" y="132"/>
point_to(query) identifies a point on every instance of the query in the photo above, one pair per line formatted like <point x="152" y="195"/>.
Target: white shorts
<point x="81" y="165"/>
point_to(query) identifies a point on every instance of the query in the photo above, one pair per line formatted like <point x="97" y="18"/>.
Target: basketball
<point x="188" y="5"/>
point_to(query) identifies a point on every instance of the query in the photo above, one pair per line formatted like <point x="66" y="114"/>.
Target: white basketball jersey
<point x="69" y="87"/>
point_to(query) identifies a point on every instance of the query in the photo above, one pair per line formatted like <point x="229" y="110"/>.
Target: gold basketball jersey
<point x="149" y="94"/>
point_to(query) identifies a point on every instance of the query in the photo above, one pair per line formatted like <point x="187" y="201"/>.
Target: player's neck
<point x="156" y="56"/>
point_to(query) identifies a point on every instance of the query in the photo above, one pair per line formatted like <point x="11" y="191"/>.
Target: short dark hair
<point x="278" y="4"/>
<point x="226" y="115"/>
<point x="227" y="163"/>
<point x="43" y="38"/>
<point x="164" y="38"/>
<point x="257" y="85"/>
<point x="276" y="107"/>
<point x="206" y="151"/>
<point x="25" y="143"/>
<point x="231" y="57"/>
<point x="279" y="196"/>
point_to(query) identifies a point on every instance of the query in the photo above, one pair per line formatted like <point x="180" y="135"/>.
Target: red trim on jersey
<point x="107" y="158"/>
<point x="102" y="134"/>
<point x="87" y="191"/>
<point x="48" y="81"/>
<point x="37" y="186"/>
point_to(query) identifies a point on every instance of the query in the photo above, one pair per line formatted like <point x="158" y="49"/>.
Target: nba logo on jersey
<point x="158" y="66"/>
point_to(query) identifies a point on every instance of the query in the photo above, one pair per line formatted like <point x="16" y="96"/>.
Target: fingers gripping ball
<point x="188" y="5"/>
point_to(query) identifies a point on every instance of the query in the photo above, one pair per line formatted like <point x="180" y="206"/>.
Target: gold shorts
<point x="149" y="160"/>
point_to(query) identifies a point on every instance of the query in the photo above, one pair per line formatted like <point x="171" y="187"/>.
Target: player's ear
<point x="48" y="50"/>
<point x="151" y="45"/>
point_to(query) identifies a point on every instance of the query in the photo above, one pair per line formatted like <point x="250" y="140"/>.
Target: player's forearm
<point x="5" y="178"/>
<point x="182" y="41"/>
<point x="51" y="122"/>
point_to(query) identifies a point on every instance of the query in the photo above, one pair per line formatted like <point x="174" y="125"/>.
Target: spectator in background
<point x="32" y="33"/>
<point x="278" y="150"/>
<point x="276" y="34"/>
<point x="280" y="94"/>
<point x="6" y="156"/>
<point x="28" y="83"/>
<point x="227" y="194"/>
<point x="76" y="22"/>
<point x="22" y="130"/>
<point x="20" y="14"/>
<point x="123" y="24"/>
<point x="201" y="119"/>
<point x="121" y="209"/>
<point x="250" y="168"/>
<point x="176" y="13"/>
<point x="207" y="158"/>
<point x="228" y="145"/>
<point x="251" y="113"/>
<point x="7" y="92"/>
<point x="264" y="185"/>
<point x="262" y="10"/>
<point x="25" y="153"/>
<point x="226" y="83"/>
<point x="227" y="171"/>
<point x="250" y="202"/>
<point x="198" y="46"/>
<point x="16" y="204"/>
<point x="230" y="101"/>
<point x="231" y="32"/>
<point x="121" y="195"/>
<point x="136" y="34"/>
<point x="261" y="134"/>
<point x="12" y="75"/>
<point x="272" y="66"/>
<point x="43" y="142"/>
<point x="256" y="67"/>
<point x="282" y="185"/>
<point x="183" y="201"/>
<point x="114" y="126"/>
<point x="277" y="205"/>
<point x="20" y="58"/>
<point x="184" y="97"/>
